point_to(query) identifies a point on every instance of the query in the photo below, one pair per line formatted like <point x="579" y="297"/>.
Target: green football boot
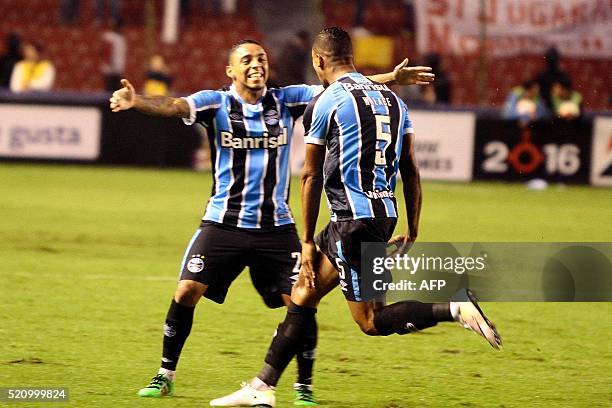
<point x="304" y="395"/>
<point x="160" y="386"/>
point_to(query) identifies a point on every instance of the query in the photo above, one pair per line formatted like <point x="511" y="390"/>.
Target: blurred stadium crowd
<point x="87" y="45"/>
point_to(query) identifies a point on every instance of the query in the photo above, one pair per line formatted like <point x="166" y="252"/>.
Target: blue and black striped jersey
<point x="363" y="124"/>
<point x="250" y="147"/>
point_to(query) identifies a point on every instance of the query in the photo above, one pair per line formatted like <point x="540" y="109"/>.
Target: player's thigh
<point x="189" y="292"/>
<point x="339" y="252"/>
<point x="214" y="258"/>
<point x="275" y="265"/>
<point x="341" y="242"/>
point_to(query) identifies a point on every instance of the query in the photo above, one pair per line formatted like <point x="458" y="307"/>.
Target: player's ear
<point x="319" y="61"/>
<point x="229" y="71"/>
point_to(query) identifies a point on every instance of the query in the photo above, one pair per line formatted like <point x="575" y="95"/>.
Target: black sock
<point x="307" y="354"/>
<point x="409" y="316"/>
<point x="176" y="330"/>
<point x="287" y="342"/>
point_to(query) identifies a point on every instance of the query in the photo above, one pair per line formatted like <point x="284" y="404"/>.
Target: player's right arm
<point x="412" y="189"/>
<point x="317" y="119"/>
<point x="127" y="98"/>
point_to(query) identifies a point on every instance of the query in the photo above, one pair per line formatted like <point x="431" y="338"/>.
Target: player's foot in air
<point x="471" y="316"/>
<point x="304" y="395"/>
<point x="247" y="396"/>
<point x="160" y="386"/>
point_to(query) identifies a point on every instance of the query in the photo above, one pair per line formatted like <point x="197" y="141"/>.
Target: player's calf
<point x="409" y="316"/>
<point x="299" y="323"/>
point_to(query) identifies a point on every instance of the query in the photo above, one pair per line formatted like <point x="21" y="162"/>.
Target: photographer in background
<point x="525" y="103"/>
<point x="566" y="102"/>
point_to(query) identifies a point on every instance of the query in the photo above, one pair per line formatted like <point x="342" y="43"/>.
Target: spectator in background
<point x="11" y="56"/>
<point x="550" y="75"/>
<point x="358" y="28"/>
<point x="114" y="66"/>
<point x="293" y="60"/>
<point x="115" y="11"/>
<point x="33" y="73"/>
<point x="525" y="103"/>
<point x="158" y="80"/>
<point x="567" y="103"/>
<point x="409" y="23"/>
<point x="69" y="11"/>
<point x="440" y="92"/>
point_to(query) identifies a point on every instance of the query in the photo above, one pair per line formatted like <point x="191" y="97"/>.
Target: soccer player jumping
<point x="368" y="136"/>
<point x="247" y="220"/>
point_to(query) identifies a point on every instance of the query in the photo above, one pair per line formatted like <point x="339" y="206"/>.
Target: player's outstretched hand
<point x="123" y="98"/>
<point x="309" y="254"/>
<point x="405" y="75"/>
<point x="402" y="244"/>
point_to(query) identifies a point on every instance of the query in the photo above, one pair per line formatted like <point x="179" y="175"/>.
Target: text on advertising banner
<point x="555" y="151"/>
<point x="444" y="144"/>
<point x="601" y="167"/>
<point x="49" y="132"/>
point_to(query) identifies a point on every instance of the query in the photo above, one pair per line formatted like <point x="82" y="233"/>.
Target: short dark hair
<point x="565" y="82"/>
<point x="239" y="43"/>
<point x="334" y="42"/>
<point x="36" y="45"/>
<point x="530" y="83"/>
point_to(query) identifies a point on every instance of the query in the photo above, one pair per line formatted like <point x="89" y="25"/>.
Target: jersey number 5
<point x="383" y="139"/>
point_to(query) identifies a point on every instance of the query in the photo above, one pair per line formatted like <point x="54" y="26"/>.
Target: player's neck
<point x="340" y="70"/>
<point x="249" y="95"/>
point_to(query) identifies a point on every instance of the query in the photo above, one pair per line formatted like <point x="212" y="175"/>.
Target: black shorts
<point x="341" y="242"/>
<point x="218" y="253"/>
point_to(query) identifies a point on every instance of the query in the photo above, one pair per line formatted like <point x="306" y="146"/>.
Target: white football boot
<point x="471" y="316"/>
<point x="246" y="396"/>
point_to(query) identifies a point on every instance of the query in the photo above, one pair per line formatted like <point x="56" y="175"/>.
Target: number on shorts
<point x="341" y="272"/>
<point x="298" y="261"/>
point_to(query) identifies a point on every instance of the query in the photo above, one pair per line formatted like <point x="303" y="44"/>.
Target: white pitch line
<point x="89" y="277"/>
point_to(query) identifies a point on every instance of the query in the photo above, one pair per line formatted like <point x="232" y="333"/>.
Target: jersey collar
<point x="239" y="99"/>
<point x="347" y="75"/>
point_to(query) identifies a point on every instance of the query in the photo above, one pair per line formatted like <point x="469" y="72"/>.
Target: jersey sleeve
<point x="407" y="125"/>
<point x="297" y="97"/>
<point x="202" y="104"/>
<point x="317" y="119"/>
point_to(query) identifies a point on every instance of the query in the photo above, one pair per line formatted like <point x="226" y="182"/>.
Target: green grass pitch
<point x="89" y="258"/>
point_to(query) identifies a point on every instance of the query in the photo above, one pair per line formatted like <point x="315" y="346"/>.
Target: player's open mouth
<point x="256" y="75"/>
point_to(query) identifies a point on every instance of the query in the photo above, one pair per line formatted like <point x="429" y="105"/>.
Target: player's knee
<point x="367" y="326"/>
<point x="304" y="295"/>
<point x="188" y="293"/>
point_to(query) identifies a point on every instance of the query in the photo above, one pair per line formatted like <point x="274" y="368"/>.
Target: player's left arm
<point x="298" y="96"/>
<point x="402" y="74"/>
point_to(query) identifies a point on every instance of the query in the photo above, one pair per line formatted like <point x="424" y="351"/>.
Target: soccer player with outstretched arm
<point x="247" y="220"/>
<point x="358" y="136"/>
